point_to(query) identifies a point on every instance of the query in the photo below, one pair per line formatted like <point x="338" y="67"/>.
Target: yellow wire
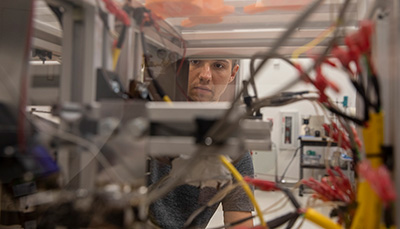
<point x="296" y="53"/>
<point x="320" y="219"/>
<point x="369" y="204"/>
<point x="116" y="53"/>
<point x="244" y="185"/>
<point x="167" y="99"/>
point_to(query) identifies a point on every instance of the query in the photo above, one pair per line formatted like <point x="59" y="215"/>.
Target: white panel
<point x="265" y="165"/>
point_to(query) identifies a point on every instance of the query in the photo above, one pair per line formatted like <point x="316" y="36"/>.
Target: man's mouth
<point x="202" y="89"/>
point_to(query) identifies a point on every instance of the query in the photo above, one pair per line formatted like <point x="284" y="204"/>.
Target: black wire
<point x="214" y="132"/>
<point x="291" y="217"/>
<point x="280" y="101"/>
<point x="376" y="86"/>
<point x="356" y="120"/>
<point x="292" y="221"/>
<point x="287" y="167"/>
<point x="289" y="93"/>
<point x="103" y="16"/>
<point x="293" y="26"/>
<point x="122" y="93"/>
<point x="121" y="37"/>
<point x="277" y="56"/>
<point x="359" y="87"/>
<point x="361" y="91"/>
<point x="356" y="159"/>
<point x="282" y="219"/>
<point x="365" y="92"/>
<point x="57" y="12"/>
<point x="290" y="195"/>
<point x="277" y="221"/>
<point x="319" y="61"/>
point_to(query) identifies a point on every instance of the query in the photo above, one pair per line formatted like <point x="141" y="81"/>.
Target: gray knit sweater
<point x="174" y="209"/>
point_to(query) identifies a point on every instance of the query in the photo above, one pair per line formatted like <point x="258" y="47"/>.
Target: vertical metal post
<point x="106" y="45"/>
<point x="386" y="56"/>
<point x="130" y="64"/>
<point x="67" y="53"/>
<point x="82" y="50"/>
<point x="382" y="52"/>
<point x="301" y="188"/>
<point x="81" y="53"/>
<point x="395" y="58"/>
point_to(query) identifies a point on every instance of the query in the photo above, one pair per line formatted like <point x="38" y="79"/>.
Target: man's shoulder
<point x="245" y="163"/>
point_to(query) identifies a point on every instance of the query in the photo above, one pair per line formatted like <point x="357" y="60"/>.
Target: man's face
<point x="208" y="78"/>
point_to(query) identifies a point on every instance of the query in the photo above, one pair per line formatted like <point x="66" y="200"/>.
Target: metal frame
<point x="253" y="134"/>
<point x="386" y="55"/>
<point x="242" y="35"/>
<point x="395" y="58"/>
<point x="82" y="54"/>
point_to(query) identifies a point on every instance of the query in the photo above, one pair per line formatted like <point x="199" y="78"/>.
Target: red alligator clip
<point x="262" y="184"/>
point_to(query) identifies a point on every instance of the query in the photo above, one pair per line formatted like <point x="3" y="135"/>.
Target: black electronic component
<point x="43" y="55"/>
<point x="388" y="157"/>
<point x="88" y="126"/>
<point x="109" y="86"/>
<point x="203" y="126"/>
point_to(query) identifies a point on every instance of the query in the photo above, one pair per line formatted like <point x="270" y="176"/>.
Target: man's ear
<point x="233" y="73"/>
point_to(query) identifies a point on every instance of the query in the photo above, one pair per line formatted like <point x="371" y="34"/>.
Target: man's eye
<point x="219" y="66"/>
<point x="194" y="62"/>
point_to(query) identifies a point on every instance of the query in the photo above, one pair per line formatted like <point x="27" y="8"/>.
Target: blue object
<point x="45" y="163"/>
<point x="345" y="101"/>
<point x="345" y="157"/>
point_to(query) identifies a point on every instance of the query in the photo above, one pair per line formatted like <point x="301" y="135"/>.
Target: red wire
<point x="23" y="85"/>
<point x="183" y="57"/>
<point x="119" y="13"/>
<point x="379" y="180"/>
<point x="262" y="184"/>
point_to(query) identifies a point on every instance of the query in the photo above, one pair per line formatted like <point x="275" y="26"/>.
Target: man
<point x="207" y="81"/>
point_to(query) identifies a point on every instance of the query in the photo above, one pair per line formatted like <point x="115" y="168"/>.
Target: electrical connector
<point x="119" y="13"/>
<point x="262" y="184"/>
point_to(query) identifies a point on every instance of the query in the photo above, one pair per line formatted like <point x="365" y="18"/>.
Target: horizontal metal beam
<point x="234" y="22"/>
<point x="159" y="41"/>
<point x="47" y="28"/>
<point x="49" y="46"/>
<point x="241" y="52"/>
<point x="254" y="34"/>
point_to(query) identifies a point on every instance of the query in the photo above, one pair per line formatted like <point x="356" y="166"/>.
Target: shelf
<point x="305" y="166"/>
<point x="308" y="142"/>
<point x="316" y="142"/>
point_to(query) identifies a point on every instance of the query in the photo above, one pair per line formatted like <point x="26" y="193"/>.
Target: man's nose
<point x="205" y="73"/>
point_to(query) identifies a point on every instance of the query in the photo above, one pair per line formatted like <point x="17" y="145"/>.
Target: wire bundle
<point x="332" y="188"/>
<point x="380" y="181"/>
<point x="339" y="135"/>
